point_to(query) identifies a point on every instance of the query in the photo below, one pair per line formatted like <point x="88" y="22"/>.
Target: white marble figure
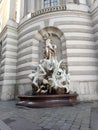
<point x="36" y="75"/>
<point x="47" y="64"/>
<point x="59" y="78"/>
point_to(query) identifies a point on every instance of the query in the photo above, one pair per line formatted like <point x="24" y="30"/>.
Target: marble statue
<point x="50" y="49"/>
<point x="49" y="75"/>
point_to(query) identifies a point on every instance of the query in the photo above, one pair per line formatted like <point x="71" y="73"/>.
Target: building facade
<point x="74" y="28"/>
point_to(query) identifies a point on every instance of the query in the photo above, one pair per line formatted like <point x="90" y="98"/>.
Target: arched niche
<point x="58" y="39"/>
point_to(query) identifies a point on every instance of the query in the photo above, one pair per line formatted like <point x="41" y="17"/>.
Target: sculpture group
<point x="50" y="75"/>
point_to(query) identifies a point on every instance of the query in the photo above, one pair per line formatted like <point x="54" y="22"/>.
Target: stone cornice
<point x="48" y="10"/>
<point x="52" y="15"/>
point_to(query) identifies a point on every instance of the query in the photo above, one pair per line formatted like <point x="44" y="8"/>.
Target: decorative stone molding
<point x="48" y="10"/>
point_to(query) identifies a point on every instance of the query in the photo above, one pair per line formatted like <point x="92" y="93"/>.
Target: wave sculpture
<point x="50" y="76"/>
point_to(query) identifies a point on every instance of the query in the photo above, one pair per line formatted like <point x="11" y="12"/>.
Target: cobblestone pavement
<point x="60" y="118"/>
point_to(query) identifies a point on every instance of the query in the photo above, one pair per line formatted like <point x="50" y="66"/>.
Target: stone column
<point x="82" y="1"/>
<point x="25" y="7"/>
<point x="32" y="5"/>
<point x="42" y="4"/>
<point x="35" y="4"/>
<point x="38" y="4"/>
<point x="22" y="9"/>
<point x="12" y="9"/>
<point x="71" y="1"/>
<point x="28" y="6"/>
<point x="18" y="10"/>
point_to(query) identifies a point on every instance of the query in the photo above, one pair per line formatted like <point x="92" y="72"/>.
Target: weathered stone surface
<point x="94" y="118"/>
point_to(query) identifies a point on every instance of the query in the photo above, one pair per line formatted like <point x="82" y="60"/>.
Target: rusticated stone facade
<point x="74" y="27"/>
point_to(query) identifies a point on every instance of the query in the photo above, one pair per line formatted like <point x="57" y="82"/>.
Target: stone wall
<point x="80" y="44"/>
<point x="28" y="53"/>
<point x="94" y="15"/>
<point x="9" y="60"/>
<point x="21" y="51"/>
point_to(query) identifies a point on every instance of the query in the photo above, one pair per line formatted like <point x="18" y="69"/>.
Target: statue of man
<point x="50" y="49"/>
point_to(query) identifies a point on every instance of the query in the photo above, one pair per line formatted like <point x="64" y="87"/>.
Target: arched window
<point x="48" y="3"/>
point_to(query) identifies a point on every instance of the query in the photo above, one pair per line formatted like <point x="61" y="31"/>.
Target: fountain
<point x="50" y="82"/>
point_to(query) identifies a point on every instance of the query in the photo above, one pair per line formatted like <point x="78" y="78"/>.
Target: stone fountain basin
<point x="45" y="101"/>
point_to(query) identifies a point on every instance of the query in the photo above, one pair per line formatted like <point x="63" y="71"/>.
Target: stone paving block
<point x="85" y="125"/>
<point x="85" y="128"/>
<point x="49" y="125"/>
<point x="94" y="118"/>
<point x="74" y="128"/>
<point x="65" y="127"/>
<point x="41" y="125"/>
<point x="77" y="123"/>
<point x="3" y="126"/>
<point x="23" y="124"/>
<point x="86" y="121"/>
<point x="8" y="120"/>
